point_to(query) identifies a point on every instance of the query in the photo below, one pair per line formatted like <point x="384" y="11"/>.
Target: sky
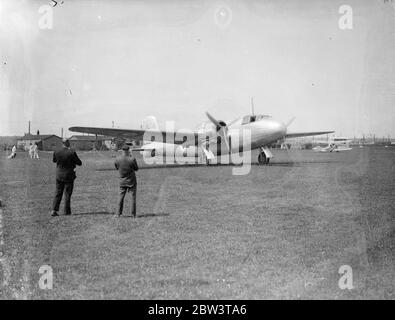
<point x="121" y="61"/>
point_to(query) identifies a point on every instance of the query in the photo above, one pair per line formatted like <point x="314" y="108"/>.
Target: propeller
<point x="287" y="125"/>
<point x="221" y="128"/>
<point x="290" y="121"/>
<point x="232" y="122"/>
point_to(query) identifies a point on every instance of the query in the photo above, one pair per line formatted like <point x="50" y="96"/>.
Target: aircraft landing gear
<point x="263" y="158"/>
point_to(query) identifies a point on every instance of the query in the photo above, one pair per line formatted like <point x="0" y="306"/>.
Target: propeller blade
<point x="289" y="122"/>
<point x="213" y="120"/>
<point x="224" y="132"/>
<point x="232" y="122"/>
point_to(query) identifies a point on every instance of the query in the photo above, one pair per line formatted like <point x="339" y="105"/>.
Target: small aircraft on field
<point x="213" y="138"/>
<point x="335" y="145"/>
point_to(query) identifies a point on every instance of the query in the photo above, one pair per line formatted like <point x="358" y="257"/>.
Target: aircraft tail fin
<point x="150" y="123"/>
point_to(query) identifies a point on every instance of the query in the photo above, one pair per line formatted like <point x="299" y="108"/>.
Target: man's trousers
<point x="122" y="193"/>
<point x="67" y="189"/>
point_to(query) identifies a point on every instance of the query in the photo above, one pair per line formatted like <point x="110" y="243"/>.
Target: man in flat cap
<point x="66" y="160"/>
<point x="126" y="165"/>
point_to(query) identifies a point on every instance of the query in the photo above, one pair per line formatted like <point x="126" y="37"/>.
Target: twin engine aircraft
<point x="213" y="139"/>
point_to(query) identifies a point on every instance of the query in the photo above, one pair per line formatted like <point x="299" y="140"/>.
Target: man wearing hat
<point x="126" y="165"/>
<point x="66" y="160"/>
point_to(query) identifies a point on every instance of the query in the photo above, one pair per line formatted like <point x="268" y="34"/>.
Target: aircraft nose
<point x="279" y="127"/>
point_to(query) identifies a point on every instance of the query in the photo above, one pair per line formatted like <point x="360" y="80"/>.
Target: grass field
<point x="283" y="231"/>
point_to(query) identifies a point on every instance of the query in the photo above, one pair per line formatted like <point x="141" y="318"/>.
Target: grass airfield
<point x="280" y="232"/>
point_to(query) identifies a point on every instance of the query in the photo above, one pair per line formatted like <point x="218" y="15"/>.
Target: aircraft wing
<point x="305" y="134"/>
<point x="133" y="133"/>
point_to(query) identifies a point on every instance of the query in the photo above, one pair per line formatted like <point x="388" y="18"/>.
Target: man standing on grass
<point x="31" y="151"/>
<point x="66" y="160"/>
<point x="13" y="153"/>
<point x="35" y="151"/>
<point x="126" y="165"/>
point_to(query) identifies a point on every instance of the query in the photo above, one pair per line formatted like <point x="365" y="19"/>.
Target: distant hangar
<point x="45" y="142"/>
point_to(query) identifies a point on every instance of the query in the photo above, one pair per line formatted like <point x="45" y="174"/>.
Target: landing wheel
<point x="262" y="159"/>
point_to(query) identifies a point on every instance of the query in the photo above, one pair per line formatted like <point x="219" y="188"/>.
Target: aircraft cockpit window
<point x="262" y="116"/>
<point x="249" y="118"/>
<point x="246" y="120"/>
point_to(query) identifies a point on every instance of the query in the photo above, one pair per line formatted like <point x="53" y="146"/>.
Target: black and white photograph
<point x="197" y="150"/>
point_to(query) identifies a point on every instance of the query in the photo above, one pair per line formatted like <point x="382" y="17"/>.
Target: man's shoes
<point x="54" y="214"/>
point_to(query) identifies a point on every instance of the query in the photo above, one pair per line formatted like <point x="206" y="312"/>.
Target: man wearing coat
<point x="126" y="165"/>
<point x="66" y="160"/>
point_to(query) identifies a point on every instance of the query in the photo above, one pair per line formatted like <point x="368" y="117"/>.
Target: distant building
<point x="83" y="142"/>
<point x="6" y="142"/>
<point x="45" y="142"/>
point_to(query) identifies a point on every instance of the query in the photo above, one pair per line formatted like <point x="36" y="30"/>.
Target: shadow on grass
<point x="150" y="215"/>
<point x="293" y="164"/>
<point x="146" y="215"/>
<point x="93" y="213"/>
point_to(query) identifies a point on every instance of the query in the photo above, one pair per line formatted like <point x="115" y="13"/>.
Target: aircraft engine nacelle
<point x="170" y="152"/>
<point x="181" y="151"/>
<point x="148" y="153"/>
<point x="221" y="125"/>
<point x="210" y="128"/>
<point x="153" y="150"/>
<point x="156" y="150"/>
